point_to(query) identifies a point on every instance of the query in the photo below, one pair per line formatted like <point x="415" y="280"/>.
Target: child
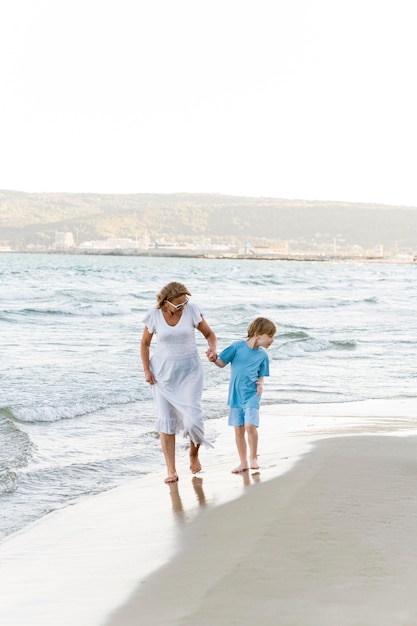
<point x="249" y="364"/>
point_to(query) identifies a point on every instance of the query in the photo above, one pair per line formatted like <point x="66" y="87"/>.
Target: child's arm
<point x="219" y="362"/>
<point x="260" y="385"/>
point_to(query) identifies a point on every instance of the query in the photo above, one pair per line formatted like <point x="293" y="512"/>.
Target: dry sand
<point x="330" y="543"/>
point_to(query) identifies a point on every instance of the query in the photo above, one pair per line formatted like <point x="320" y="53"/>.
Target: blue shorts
<point x="241" y="417"/>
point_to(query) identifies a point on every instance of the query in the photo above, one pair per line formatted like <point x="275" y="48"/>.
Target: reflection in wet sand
<point x="198" y="488"/>
<point x="177" y="505"/>
<point x="249" y="478"/>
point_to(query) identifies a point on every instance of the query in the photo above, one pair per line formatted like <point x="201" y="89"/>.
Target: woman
<point x="176" y="372"/>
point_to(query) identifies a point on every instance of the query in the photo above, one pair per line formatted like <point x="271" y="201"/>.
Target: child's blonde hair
<point x="171" y="291"/>
<point x="261" y="326"/>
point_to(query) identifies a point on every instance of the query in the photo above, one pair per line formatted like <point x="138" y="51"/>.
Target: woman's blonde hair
<point x="169" y="292"/>
<point x="261" y="326"/>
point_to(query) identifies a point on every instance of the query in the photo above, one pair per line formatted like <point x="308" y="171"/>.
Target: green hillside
<point x="33" y="218"/>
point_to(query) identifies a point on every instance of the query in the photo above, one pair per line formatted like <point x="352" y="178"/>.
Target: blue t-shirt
<point x="247" y="365"/>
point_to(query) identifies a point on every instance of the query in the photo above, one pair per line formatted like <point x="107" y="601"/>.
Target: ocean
<point x="76" y="416"/>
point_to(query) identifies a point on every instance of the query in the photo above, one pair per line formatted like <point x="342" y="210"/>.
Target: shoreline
<point x="202" y="254"/>
<point x="79" y="564"/>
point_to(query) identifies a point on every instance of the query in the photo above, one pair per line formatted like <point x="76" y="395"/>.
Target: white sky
<point x="311" y="99"/>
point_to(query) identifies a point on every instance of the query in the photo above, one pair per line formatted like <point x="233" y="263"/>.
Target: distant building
<point x="115" y="243"/>
<point x="63" y="241"/>
<point x="266" y="250"/>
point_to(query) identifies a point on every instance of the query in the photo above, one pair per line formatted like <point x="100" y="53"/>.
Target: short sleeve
<point x="264" y="367"/>
<point x="228" y="353"/>
<point x="150" y="320"/>
<point x="195" y="312"/>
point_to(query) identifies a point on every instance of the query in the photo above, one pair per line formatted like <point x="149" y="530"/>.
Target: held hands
<point x="211" y="355"/>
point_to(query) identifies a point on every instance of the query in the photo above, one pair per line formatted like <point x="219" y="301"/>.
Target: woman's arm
<point x="205" y="330"/>
<point x="145" y="356"/>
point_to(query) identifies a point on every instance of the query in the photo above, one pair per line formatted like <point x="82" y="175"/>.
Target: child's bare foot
<point x="171" y="478"/>
<point x="243" y="467"/>
<point x="254" y="464"/>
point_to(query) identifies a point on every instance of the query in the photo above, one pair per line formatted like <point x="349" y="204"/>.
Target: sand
<point x="323" y="534"/>
<point x="332" y="542"/>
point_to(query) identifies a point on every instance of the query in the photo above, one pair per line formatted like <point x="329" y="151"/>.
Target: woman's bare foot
<point x="171" y="478"/>
<point x="240" y="468"/>
<point x="195" y="465"/>
<point x="254" y="464"/>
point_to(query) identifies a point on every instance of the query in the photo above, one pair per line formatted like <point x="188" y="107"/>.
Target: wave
<point x="81" y="478"/>
<point x="16" y="451"/>
<point x="294" y="334"/>
<point x="21" y="294"/>
<point x="8" y="482"/>
<point x="17" y="447"/>
<point x="47" y="413"/>
<point x="308" y="345"/>
<point x="265" y="280"/>
<point x="333" y="397"/>
<point x="346" y="344"/>
<point x="323" y="304"/>
<point x="76" y="310"/>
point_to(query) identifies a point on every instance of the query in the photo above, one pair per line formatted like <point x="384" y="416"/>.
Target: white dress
<point x="178" y="372"/>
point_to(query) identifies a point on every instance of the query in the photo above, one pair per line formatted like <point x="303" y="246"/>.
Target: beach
<point x="322" y="534"/>
<point x="331" y="542"/>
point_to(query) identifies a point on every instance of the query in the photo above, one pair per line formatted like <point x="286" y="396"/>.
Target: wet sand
<point x="333" y="541"/>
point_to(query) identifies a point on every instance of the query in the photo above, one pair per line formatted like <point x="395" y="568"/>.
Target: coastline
<point x="82" y="563"/>
<point x="208" y="254"/>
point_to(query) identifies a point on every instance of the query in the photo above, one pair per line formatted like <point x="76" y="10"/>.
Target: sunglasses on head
<point x="179" y="306"/>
